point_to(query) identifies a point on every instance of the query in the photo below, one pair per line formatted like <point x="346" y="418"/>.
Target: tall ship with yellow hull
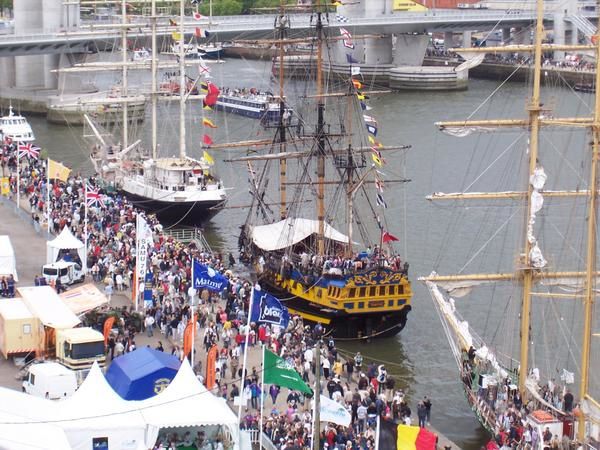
<point x="316" y="231"/>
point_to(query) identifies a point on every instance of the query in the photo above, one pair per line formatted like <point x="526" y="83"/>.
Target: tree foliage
<point x="230" y="7"/>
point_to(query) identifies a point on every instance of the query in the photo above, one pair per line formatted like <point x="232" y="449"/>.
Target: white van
<point x="50" y="380"/>
<point x="69" y="272"/>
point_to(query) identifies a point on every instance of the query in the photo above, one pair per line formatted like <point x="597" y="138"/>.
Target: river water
<point x="419" y="357"/>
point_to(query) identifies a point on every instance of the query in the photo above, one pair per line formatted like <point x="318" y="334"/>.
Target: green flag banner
<point x="278" y="371"/>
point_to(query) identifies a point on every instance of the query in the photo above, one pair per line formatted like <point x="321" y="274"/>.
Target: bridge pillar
<point x="378" y="51"/>
<point x="506" y="36"/>
<point x="7" y="72"/>
<point x="29" y="70"/>
<point x="466" y="39"/>
<point x="559" y="32"/>
<point x="410" y="49"/>
<point x="53" y="21"/>
<point x="448" y="40"/>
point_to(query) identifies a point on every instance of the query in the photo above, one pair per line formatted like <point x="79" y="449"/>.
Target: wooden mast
<point x="125" y="126"/>
<point x="320" y="136"/>
<point x="282" y="125"/>
<point x="182" y="87"/>
<point x="154" y="84"/>
<point x="588" y="299"/>
<point x="534" y="115"/>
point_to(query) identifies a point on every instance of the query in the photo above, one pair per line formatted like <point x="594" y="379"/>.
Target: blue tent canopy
<point x="142" y="373"/>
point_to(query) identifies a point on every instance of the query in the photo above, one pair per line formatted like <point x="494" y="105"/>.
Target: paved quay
<point x="30" y="250"/>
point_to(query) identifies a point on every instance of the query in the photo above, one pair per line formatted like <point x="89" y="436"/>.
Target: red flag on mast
<point x="387" y="237"/>
<point x="207" y="140"/>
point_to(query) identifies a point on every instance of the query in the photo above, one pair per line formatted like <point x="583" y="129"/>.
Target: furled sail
<point x="537" y="181"/>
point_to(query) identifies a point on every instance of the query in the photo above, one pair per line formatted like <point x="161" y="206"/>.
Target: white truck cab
<point x="50" y="380"/>
<point x="69" y="272"/>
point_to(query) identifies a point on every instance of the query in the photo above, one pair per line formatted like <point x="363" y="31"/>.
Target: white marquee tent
<point x="95" y="410"/>
<point x="8" y="263"/>
<point x="64" y="241"/>
<point x="187" y="403"/>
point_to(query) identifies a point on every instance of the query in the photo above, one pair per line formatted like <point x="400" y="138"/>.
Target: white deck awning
<point x="290" y="231"/>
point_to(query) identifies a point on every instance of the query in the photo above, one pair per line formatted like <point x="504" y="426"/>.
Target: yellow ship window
<point x="400" y="289"/>
<point x="382" y="291"/>
<point x="349" y="305"/>
<point x="390" y="303"/>
<point x="376" y="304"/>
<point x="352" y="292"/>
<point x="401" y="302"/>
<point x="361" y="305"/>
<point x="362" y="292"/>
<point x="391" y="290"/>
<point x="372" y="291"/>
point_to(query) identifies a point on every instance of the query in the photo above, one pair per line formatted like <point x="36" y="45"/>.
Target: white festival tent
<point x="8" y="263"/>
<point x="64" y="241"/>
<point x="187" y="403"/>
<point x="96" y="410"/>
<point x="23" y="423"/>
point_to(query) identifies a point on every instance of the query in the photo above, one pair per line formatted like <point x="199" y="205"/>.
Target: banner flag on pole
<point x="143" y="235"/>
<point x="93" y="197"/>
<point x="268" y="309"/>
<point x="211" y="360"/>
<point x="209" y="278"/>
<point x="57" y="171"/>
<point x="332" y="411"/>
<point x="278" y="371"/>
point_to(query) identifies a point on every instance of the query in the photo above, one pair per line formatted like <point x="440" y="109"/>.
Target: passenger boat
<point x="528" y="324"/>
<point x="300" y="234"/>
<point x="254" y="104"/>
<point x="16" y="127"/>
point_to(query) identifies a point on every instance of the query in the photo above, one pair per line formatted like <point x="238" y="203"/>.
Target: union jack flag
<point x="347" y="38"/>
<point x="28" y="149"/>
<point x="94" y="197"/>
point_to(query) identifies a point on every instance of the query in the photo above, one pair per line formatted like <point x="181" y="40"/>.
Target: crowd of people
<point x="571" y="62"/>
<point x="221" y="316"/>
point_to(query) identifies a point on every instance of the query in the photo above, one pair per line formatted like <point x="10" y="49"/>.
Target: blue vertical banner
<point x="268" y="309"/>
<point x="148" y="282"/>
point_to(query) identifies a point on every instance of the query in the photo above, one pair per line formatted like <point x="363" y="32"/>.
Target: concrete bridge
<point x="89" y="36"/>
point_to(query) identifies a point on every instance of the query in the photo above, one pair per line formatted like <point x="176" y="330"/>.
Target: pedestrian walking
<point x="427" y="404"/>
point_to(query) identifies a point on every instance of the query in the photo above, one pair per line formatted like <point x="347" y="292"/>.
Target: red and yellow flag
<point x="208" y="123"/>
<point x="415" y="438"/>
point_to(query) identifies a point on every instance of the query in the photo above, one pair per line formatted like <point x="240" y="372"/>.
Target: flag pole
<point x="85" y="224"/>
<point x="18" y="178"/>
<point x="48" y="196"/>
<point x="316" y="414"/>
<point x="136" y="282"/>
<point x="193" y="321"/>
<point x="262" y="399"/>
<point x="377" y="431"/>
<point x="243" y="377"/>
